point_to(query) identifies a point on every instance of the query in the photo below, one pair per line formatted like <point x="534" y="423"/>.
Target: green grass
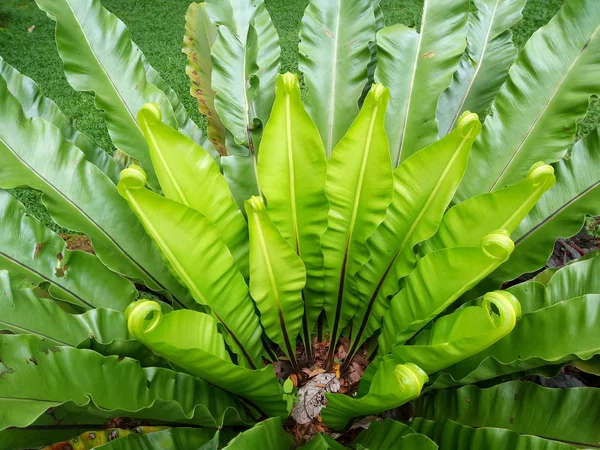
<point x="157" y="27"/>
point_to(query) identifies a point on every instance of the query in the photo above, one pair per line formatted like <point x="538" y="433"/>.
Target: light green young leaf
<point x="81" y="377"/>
<point x="188" y="174"/>
<point x="190" y="340"/>
<point x="199" y="258"/>
<point x="112" y="69"/>
<point x="465" y="224"/>
<point x="277" y="277"/>
<point x="34" y="104"/>
<point x="567" y="415"/>
<point x="413" y="216"/>
<point x="456" y="271"/>
<point x="333" y="56"/>
<point x="359" y="189"/>
<point x="559" y="213"/>
<point x="78" y="196"/>
<point x="291" y="171"/>
<point x="484" y="65"/>
<point x="417" y="67"/>
<point x="554" y="76"/>
<point x="200" y="34"/>
<point x="461" y="334"/>
<point x="36" y="256"/>
<point x="452" y="436"/>
<point x="393" y="385"/>
<point x="562" y="332"/>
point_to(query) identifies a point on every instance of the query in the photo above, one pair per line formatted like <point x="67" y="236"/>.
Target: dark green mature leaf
<point x="34" y="104"/>
<point x="110" y="68"/>
<point x="553" y="77"/>
<point x="36" y="256"/>
<point x="559" y="213"/>
<point x="277" y="278"/>
<point x="392" y="386"/>
<point x="267" y="434"/>
<point x="417" y="67"/>
<point x="465" y="224"/>
<point x="200" y="259"/>
<point x="452" y="436"/>
<point x="323" y="442"/>
<point x="484" y="65"/>
<point x="562" y="332"/>
<point x="413" y="216"/>
<point x="34" y="380"/>
<point x="200" y="34"/>
<point x="333" y="56"/>
<point x="291" y="172"/>
<point x="569" y="415"/>
<point x="170" y="439"/>
<point x="359" y="189"/>
<point x="390" y="434"/>
<point x="78" y="195"/>
<point x="456" y="269"/>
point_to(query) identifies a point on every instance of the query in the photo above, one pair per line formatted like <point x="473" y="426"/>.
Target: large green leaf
<point x="562" y="332"/>
<point x="78" y="196"/>
<point x="333" y="56"/>
<point x="389" y="434"/>
<point x="484" y="66"/>
<point x="267" y="434"/>
<point x="461" y="334"/>
<point x="568" y="415"/>
<point x="34" y="380"/>
<point x="417" y="67"/>
<point x="200" y="259"/>
<point x="323" y="442"/>
<point x="110" y="68"/>
<point x="238" y="15"/>
<point x="536" y="112"/>
<point x="35" y="256"/>
<point x="200" y="34"/>
<point x="291" y="171"/>
<point x="277" y="277"/>
<point x="465" y="224"/>
<point x="190" y="340"/>
<point x="188" y="174"/>
<point x="359" y="189"/>
<point x="392" y="386"/>
<point x="452" y="436"/>
<point x="456" y="271"/>
<point x="34" y="104"/>
<point x="559" y="213"/>
<point x="413" y="216"/>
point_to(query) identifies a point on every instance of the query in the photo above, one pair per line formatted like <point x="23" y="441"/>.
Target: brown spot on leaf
<point x="428" y="55"/>
<point x="38" y="248"/>
<point x="329" y="33"/>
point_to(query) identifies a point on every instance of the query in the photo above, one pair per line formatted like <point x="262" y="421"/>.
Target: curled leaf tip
<point x="289" y="81"/>
<point x="411" y="376"/>
<point x="503" y="300"/>
<point x="150" y="111"/>
<point x="133" y="177"/>
<point x="143" y="317"/>
<point x="256" y="203"/>
<point x="378" y="91"/>
<point x="541" y="174"/>
<point x="498" y="245"/>
<point x="469" y="125"/>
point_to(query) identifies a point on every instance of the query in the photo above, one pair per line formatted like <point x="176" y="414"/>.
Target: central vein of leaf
<point x="290" y="152"/>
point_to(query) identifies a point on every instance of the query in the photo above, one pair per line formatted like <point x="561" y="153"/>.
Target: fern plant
<point x="380" y="211"/>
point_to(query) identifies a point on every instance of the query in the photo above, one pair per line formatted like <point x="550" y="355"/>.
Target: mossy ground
<point x="157" y="27"/>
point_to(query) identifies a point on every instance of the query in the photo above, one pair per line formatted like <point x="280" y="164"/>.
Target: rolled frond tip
<point x="498" y="244"/>
<point x="541" y="174"/>
<point x="378" y="91"/>
<point x="133" y="177"/>
<point x="151" y="111"/>
<point x="503" y="297"/>
<point x="143" y="317"/>
<point x="256" y="203"/>
<point x="290" y="82"/>
<point x="411" y="376"/>
<point x="469" y="124"/>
